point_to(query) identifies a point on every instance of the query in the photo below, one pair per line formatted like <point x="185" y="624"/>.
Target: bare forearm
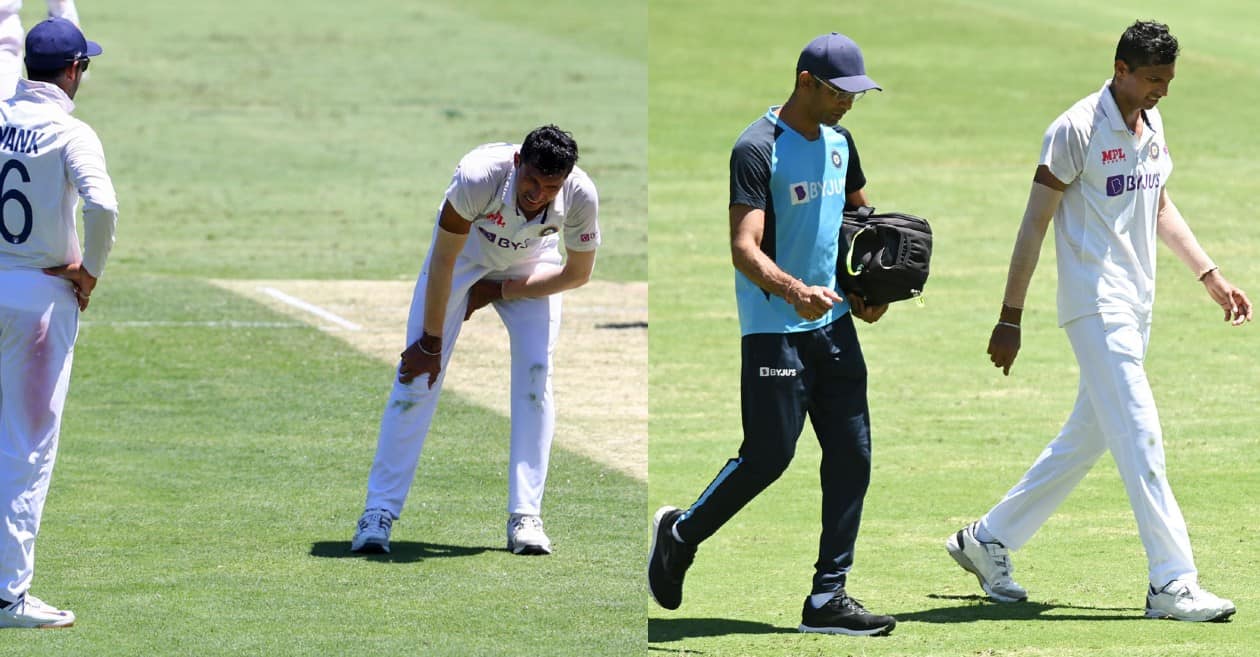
<point x="546" y="283"/>
<point x="437" y="294"/>
<point x="764" y="273"/>
<point x="1175" y="232"/>
<point x="1042" y="203"/>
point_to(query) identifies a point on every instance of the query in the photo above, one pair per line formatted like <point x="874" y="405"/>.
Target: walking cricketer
<point x="1103" y="179"/>
<point x="496" y="242"/>
<point x="792" y="173"/>
<point x="50" y="159"/>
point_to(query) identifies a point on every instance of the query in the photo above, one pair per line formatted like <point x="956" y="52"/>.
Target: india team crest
<point x="1155" y="150"/>
<point x="835" y="159"/>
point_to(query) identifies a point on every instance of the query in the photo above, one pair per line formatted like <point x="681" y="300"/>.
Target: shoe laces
<point x="523" y="522"/>
<point x="381" y="520"/>
<point x="1189" y="590"/>
<point x="1000" y="556"/>
<point x="842" y="599"/>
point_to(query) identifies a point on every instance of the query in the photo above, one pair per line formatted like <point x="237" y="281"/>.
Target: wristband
<point x="1012" y="325"/>
<point x="1210" y="270"/>
<point x="438" y="346"/>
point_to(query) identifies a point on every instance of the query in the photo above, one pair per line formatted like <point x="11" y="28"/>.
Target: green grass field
<point x="969" y="89"/>
<point x="214" y="453"/>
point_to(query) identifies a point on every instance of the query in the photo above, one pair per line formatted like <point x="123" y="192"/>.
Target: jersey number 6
<point x="28" y="218"/>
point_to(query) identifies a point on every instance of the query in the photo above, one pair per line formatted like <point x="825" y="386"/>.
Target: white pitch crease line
<point x="193" y="324"/>
<point x="310" y="308"/>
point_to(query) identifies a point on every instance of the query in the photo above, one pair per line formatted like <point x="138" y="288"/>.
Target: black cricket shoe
<point x="669" y="559"/>
<point x="844" y="615"/>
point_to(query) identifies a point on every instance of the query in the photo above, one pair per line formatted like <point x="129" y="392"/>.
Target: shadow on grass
<point x="674" y="629"/>
<point x="400" y="551"/>
<point x="986" y="610"/>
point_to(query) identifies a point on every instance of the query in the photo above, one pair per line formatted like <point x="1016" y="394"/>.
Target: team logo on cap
<point x="835" y="159"/>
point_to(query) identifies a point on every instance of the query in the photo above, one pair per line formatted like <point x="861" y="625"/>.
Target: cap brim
<point x="855" y="84"/>
<point x="93" y="49"/>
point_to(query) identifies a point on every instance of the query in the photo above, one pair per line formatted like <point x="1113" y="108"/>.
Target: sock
<point x="983" y="535"/>
<point x="817" y="600"/>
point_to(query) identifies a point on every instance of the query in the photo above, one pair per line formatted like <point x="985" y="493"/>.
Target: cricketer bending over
<point x="496" y="242"/>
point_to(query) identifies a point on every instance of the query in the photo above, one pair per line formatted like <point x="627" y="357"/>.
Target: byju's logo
<point x="1117" y="185"/>
<point x="772" y="371"/>
<point x="804" y="192"/>
<point x="800" y="193"/>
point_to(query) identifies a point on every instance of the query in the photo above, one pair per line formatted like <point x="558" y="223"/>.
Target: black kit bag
<point x="883" y="257"/>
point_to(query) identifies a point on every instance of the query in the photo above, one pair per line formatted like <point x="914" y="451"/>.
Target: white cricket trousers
<point x="1114" y="410"/>
<point x="39" y="320"/>
<point x="533" y="326"/>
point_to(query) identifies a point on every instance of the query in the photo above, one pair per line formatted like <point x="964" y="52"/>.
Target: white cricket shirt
<point x="48" y="159"/>
<point x="1105" y="225"/>
<point x="483" y="190"/>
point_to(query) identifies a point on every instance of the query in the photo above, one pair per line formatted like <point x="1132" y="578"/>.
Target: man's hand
<point x="424" y="356"/>
<point x="868" y="314"/>
<point x="84" y="282"/>
<point x="1232" y="300"/>
<point x="1004" y="345"/>
<point x="812" y="302"/>
<point x="482" y="294"/>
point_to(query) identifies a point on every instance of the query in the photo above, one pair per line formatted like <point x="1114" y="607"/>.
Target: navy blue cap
<point x="55" y="43"/>
<point x="837" y="59"/>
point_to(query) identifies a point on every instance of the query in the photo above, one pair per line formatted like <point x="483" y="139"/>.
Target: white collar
<point x="1114" y="116"/>
<point x="45" y="92"/>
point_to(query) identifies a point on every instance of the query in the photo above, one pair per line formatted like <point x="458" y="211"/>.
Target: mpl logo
<point x="1113" y="155"/>
<point x="496" y="219"/>
<point x="774" y="371"/>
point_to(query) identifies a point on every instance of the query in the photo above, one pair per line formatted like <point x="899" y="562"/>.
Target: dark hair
<point x="550" y="150"/>
<point x="1147" y="43"/>
<point x="44" y="74"/>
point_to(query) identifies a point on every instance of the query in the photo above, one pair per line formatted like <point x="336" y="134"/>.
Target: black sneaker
<point x="669" y="559"/>
<point x="844" y="615"/>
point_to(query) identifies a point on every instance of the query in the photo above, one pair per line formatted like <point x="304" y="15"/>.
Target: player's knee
<point x="767" y="465"/>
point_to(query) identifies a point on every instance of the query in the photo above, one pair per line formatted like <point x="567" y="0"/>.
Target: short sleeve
<point x="854" y="177"/>
<point x="1063" y="149"/>
<point x="472" y="187"/>
<point x="750" y="170"/>
<point x="581" y="222"/>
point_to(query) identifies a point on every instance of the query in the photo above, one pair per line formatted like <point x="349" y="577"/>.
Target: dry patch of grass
<point x="600" y="374"/>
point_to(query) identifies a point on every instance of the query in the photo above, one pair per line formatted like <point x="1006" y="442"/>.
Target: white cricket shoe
<point x="989" y="562"/>
<point x="372" y="535"/>
<point x="525" y="535"/>
<point x="32" y="612"/>
<point x="1186" y="601"/>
